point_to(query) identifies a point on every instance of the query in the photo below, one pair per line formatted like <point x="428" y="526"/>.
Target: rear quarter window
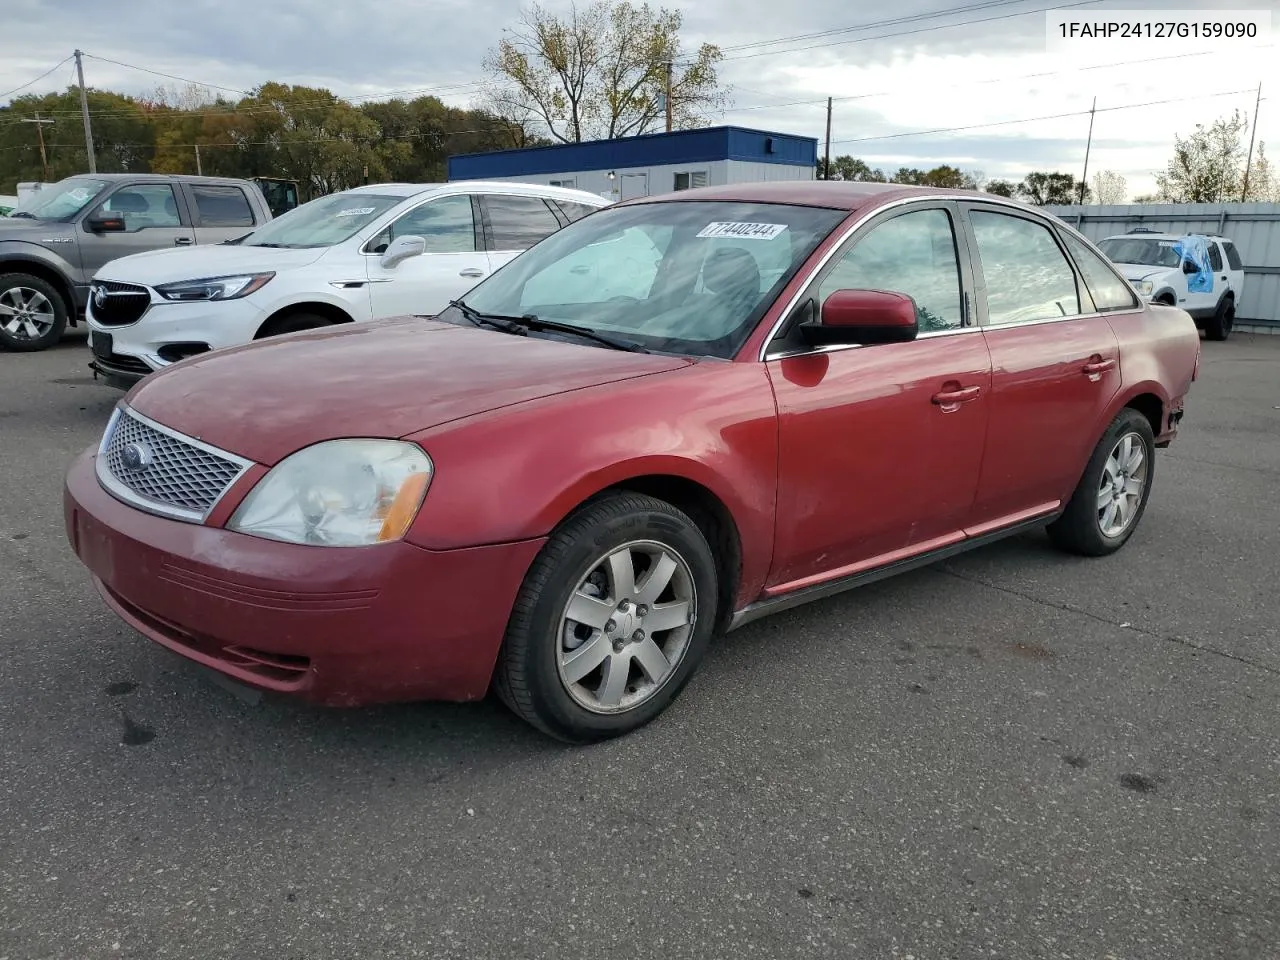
<point x="1233" y="256"/>
<point x="222" y="206"/>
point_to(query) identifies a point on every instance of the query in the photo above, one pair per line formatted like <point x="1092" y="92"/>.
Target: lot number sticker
<point x="744" y="231"/>
<point x="355" y="212"/>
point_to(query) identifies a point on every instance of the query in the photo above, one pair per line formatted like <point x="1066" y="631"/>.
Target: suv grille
<point x="118" y="304"/>
<point x="158" y="470"/>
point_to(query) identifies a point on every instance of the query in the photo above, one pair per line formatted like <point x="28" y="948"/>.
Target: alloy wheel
<point x="1124" y="481"/>
<point x="26" y="314"/>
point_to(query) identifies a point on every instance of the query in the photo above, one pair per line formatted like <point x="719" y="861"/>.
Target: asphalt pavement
<point x="1014" y="754"/>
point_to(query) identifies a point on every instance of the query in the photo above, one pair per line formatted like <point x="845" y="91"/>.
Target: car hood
<point x="1142" y="271"/>
<point x="389" y="378"/>
<point x="173" y="264"/>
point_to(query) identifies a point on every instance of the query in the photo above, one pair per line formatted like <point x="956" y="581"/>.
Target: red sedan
<point x="670" y="418"/>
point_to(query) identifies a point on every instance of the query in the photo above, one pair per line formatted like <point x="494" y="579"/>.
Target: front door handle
<point x="184" y="241"/>
<point x="1095" y="368"/>
<point x="471" y="272"/>
<point x="950" y="398"/>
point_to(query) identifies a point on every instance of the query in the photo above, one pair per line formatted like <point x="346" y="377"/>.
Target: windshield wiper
<point x="21" y="213"/>
<point x="532" y="322"/>
<point x="283" y="246"/>
<point x="495" y="320"/>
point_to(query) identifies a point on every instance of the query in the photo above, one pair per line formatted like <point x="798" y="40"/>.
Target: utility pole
<point x="1084" y="178"/>
<point x="670" y="67"/>
<point x="826" y="155"/>
<point x="1253" y="132"/>
<point x="44" y="160"/>
<point x="199" y="171"/>
<point x="84" y="110"/>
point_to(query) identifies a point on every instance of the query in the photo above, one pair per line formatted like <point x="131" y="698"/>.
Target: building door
<point x="635" y="185"/>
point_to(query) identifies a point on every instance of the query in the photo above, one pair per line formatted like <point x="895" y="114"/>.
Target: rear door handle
<point x="953" y="398"/>
<point x="1095" y="367"/>
<point x="471" y="272"/>
<point x="184" y="241"/>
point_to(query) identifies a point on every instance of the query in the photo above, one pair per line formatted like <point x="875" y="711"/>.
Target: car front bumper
<point x="335" y="626"/>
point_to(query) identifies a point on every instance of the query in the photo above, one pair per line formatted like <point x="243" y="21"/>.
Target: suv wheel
<point x="1218" y="327"/>
<point x="32" y="313"/>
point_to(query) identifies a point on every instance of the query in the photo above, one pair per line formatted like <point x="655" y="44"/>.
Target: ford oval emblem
<point x="136" y="456"/>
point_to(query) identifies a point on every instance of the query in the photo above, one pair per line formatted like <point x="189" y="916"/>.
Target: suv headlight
<point x="1144" y="287"/>
<point x="215" y="288"/>
<point x="339" y="493"/>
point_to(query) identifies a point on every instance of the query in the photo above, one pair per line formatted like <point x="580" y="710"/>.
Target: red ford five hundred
<point x="672" y="417"/>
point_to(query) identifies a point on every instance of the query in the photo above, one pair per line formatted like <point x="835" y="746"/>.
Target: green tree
<point x="1207" y="166"/>
<point x="1046" y="189"/>
<point x="600" y="72"/>
<point x="1002" y="188"/>
<point x="850" y="168"/>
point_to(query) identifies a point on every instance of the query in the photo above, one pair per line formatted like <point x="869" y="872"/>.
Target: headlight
<point x="1143" y="287"/>
<point x="215" y="288"/>
<point x="340" y="493"/>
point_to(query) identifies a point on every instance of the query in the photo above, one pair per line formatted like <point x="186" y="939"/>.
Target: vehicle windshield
<point x="61" y="200"/>
<point x="322" y="222"/>
<point x="1146" y="252"/>
<point x="690" y="277"/>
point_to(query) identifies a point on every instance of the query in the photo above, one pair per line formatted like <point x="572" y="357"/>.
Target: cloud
<point x="958" y="75"/>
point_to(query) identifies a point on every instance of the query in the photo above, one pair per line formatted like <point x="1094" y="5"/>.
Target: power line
<point x="30" y="83"/>
<point x="167" y="76"/>
<point x="1048" y="116"/>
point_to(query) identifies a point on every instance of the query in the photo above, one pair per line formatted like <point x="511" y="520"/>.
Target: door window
<point x="915" y="254"/>
<point x="1027" y="275"/>
<point x="1108" y="290"/>
<point x="519" y="222"/>
<point x="1215" y="257"/>
<point x="145" y="205"/>
<point x="446" y="223"/>
<point x="222" y="206"/>
<point x="1233" y="257"/>
<point x="573" y="211"/>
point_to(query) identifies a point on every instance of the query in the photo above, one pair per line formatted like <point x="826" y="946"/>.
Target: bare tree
<point x="1208" y="166"/>
<point x="1109" y="187"/>
<point x="600" y="72"/>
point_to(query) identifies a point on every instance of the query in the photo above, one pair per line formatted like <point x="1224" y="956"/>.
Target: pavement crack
<point x="1071" y="608"/>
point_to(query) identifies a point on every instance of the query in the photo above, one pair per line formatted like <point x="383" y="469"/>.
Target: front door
<point x="452" y="264"/>
<point x="153" y="220"/>
<point x="880" y="447"/>
<point x="1055" y="366"/>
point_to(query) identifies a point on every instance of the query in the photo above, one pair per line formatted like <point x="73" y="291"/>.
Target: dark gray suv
<point x="54" y="242"/>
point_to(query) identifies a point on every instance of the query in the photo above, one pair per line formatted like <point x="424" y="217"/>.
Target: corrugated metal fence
<point x="1253" y="227"/>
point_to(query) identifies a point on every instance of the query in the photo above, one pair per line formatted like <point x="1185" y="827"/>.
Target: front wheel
<point x="611" y="621"/>
<point x="33" y="314"/>
<point x="1112" y="495"/>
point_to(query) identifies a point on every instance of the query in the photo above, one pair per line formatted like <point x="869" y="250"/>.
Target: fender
<point x="22" y="251"/>
<point x="515" y="473"/>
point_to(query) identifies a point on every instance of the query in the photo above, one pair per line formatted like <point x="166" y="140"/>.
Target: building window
<point x="688" y="179"/>
<point x="571" y="184"/>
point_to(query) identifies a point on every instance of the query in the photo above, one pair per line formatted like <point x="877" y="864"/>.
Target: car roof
<point x="181" y="177"/>
<point x="407" y="190"/>
<point x="834" y="194"/>
<point x="1151" y="235"/>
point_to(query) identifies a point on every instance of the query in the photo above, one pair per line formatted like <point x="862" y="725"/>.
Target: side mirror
<point x="1189" y="267"/>
<point x="403" y="248"/>
<point x="863" y="317"/>
<point x="107" y="223"/>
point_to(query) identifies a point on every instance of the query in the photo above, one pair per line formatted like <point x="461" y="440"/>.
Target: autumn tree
<point x="1208" y="165"/>
<point x="1263" y="185"/>
<point x="1109" y="187"/>
<point x="600" y="72"/>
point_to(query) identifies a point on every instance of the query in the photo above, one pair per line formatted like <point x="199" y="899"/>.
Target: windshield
<point x="322" y="222"/>
<point x="1148" y="253"/>
<point x="61" y="200"/>
<point x="688" y="277"/>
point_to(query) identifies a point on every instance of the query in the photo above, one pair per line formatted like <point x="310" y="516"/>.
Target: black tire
<point x="293" y="323"/>
<point x="1080" y="528"/>
<point x="25" y="344"/>
<point x="1218" y="327"/>
<point x="528" y="675"/>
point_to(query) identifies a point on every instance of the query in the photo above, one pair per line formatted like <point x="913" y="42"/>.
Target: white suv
<point x="1201" y="274"/>
<point x="370" y="252"/>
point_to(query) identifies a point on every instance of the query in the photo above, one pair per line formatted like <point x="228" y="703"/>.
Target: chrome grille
<point x="157" y="469"/>
<point x="117" y="304"/>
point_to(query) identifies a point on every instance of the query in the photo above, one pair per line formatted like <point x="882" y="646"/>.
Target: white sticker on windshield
<point x="745" y="231"/>
<point x="1168" y="243"/>
<point x="80" y="194"/>
<point x="355" y="212"/>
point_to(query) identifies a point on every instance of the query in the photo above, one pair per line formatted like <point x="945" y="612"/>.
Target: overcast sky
<point x="943" y="74"/>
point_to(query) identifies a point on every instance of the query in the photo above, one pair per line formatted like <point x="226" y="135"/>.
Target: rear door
<point x="155" y="217"/>
<point x="1055" y="365"/>
<point x="221" y="212"/>
<point x="453" y="263"/>
<point x="513" y="223"/>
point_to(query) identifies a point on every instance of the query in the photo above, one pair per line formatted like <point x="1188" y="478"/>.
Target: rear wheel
<point x="611" y="622"/>
<point x="33" y="313"/>
<point x="1218" y="327"/>
<point x="1112" y="495"/>
<point x="293" y="323"/>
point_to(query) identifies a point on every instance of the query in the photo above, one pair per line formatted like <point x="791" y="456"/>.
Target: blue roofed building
<point x="650" y="164"/>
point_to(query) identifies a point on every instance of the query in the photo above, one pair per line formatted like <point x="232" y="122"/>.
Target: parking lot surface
<point x="1014" y="754"/>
